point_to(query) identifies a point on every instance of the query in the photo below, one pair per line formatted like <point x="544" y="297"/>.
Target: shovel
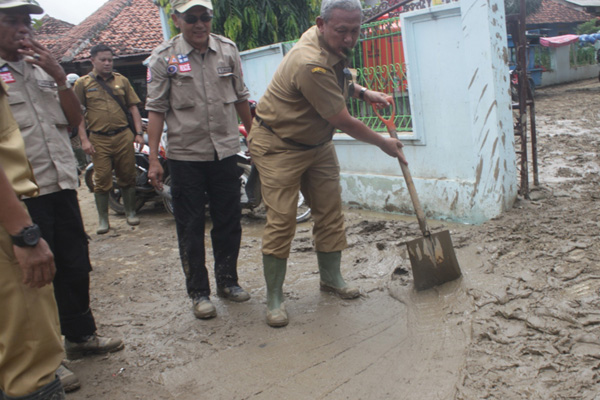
<point x="432" y="257"/>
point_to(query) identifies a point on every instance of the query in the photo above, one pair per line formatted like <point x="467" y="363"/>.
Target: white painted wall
<point x="562" y="71"/>
<point x="461" y="155"/>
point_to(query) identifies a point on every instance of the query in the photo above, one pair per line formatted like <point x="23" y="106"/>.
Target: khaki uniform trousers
<point x="30" y="343"/>
<point x="284" y="170"/>
<point x="113" y="152"/>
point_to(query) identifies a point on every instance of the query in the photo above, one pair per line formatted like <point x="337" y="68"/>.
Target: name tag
<point x="92" y="90"/>
<point x="224" y="70"/>
<point x="46" y="84"/>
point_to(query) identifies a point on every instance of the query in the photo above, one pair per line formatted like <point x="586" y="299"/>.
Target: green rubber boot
<point x="274" y="269"/>
<point x="331" y="277"/>
<point x="102" y="207"/>
<point x="129" y="203"/>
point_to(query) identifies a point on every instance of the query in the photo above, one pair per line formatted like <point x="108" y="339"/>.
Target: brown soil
<point x="523" y="322"/>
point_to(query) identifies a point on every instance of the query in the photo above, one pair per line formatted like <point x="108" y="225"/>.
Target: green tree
<point x="588" y="27"/>
<point x="254" y="23"/>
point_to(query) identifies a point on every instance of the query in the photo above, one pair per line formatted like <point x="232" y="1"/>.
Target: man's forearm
<point x="13" y="216"/>
<point x="71" y="107"/>
<point x="137" y="118"/>
<point x="155" y="127"/>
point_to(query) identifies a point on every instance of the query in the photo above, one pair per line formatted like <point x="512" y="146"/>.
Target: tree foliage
<point x="254" y="23"/>
<point x="588" y="27"/>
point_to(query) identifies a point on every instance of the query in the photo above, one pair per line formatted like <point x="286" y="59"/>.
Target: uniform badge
<point x="186" y="67"/>
<point x="173" y="60"/>
<point x="7" y="77"/>
<point x="172" y="69"/>
<point x="149" y="75"/>
<point x="318" y="70"/>
<point x="224" y="70"/>
<point x="182" y="58"/>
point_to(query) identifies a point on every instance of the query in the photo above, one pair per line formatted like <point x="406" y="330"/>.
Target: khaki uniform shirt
<point x="308" y="86"/>
<point x="197" y="92"/>
<point x="34" y="103"/>
<point x="103" y="113"/>
<point x="12" y="151"/>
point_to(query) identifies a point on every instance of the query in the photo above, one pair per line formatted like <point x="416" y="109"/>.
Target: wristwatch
<point x="361" y="94"/>
<point x="28" y="237"/>
<point x="65" y="86"/>
<point x="140" y="134"/>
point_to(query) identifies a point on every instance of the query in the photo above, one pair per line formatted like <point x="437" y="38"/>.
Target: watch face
<point x="31" y="236"/>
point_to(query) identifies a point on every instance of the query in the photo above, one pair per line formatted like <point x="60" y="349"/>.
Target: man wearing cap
<point x="44" y="106"/>
<point x="291" y="145"/>
<point x="195" y="83"/>
<point x="30" y="344"/>
<point x="105" y="95"/>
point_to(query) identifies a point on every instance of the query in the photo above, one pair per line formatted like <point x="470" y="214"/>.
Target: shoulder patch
<point x="318" y="70"/>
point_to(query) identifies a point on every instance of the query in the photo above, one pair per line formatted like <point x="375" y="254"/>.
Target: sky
<point x="73" y="11"/>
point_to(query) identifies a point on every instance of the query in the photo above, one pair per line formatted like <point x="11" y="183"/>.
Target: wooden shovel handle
<point x="391" y="127"/>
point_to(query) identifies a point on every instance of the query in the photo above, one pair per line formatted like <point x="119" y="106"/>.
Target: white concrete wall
<point x="461" y="152"/>
<point x="562" y="71"/>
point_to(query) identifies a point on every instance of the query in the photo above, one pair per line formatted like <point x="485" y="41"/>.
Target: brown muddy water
<point x="522" y="323"/>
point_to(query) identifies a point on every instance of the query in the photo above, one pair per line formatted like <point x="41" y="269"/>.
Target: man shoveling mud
<point x="290" y="142"/>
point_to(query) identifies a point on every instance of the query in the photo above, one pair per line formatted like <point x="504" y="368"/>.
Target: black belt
<point x="289" y="141"/>
<point x="110" y="133"/>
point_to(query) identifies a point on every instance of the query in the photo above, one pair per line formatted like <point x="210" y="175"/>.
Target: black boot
<point x="52" y="391"/>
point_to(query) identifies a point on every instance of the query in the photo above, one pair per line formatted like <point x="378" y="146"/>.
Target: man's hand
<point x="393" y="147"/>
<point x="379" y="99"/>
<point x="139" y="139"/>
<point x="155" y="174"/>
<point x="37" y="264"/>
<point x="40" y="56"/>
<point x="87" y="146"/>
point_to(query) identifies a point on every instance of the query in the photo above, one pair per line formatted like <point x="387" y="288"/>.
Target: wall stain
<point x="473" y="77"/>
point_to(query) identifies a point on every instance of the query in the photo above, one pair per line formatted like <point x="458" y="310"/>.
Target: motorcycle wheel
<point x="115" y="197"/>
<point x="303" y="213"/>
<point x="167" y="202"/>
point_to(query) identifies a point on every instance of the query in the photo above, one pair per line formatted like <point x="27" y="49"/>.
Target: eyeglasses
<point x="192" y="19"/>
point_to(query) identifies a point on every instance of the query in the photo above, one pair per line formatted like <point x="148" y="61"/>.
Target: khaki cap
<point x="31" y="5"/>
<point x="182" y="6"/>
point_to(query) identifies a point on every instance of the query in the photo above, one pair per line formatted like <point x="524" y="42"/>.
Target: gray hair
<point x="327" y="7"/>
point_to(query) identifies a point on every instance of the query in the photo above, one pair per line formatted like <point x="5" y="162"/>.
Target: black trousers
<point x="194" y="185"/>
<point x="59" y="218"/>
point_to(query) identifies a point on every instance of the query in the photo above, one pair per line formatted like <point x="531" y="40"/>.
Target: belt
<point x="110" y="133"/>
<point x="289" y="141"/>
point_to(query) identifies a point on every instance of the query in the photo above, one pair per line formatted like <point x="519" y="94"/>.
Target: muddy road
<point x="522" y="323"/>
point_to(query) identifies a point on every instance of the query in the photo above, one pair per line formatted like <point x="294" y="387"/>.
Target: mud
<point x="522" y="323"/>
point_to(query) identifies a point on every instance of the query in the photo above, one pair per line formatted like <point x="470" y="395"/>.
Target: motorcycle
<point x="250" y="195"/>
<point x="250" y="180"/>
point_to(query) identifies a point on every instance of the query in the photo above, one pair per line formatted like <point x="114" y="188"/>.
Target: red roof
<point x="129" y="27"/>
<point x="552" y="12"/>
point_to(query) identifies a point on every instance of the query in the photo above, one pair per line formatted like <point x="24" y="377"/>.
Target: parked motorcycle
<point x="250" y="180"/>
<point x="250" y="195"/>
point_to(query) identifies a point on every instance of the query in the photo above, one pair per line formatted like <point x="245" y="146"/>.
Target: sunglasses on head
<point x="192" y="19"/>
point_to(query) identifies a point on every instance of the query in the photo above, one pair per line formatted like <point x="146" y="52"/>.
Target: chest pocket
<point x="20" y="110"/>
<point x="51" y="104"/>
<point x="225" y="87"/>
<point x="182" y="92"/>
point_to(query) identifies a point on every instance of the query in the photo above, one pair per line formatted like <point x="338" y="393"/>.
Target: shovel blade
<point x="433" y="260"/>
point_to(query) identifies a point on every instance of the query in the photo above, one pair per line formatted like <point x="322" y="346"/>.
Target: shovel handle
<point x="391" y="127"/>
